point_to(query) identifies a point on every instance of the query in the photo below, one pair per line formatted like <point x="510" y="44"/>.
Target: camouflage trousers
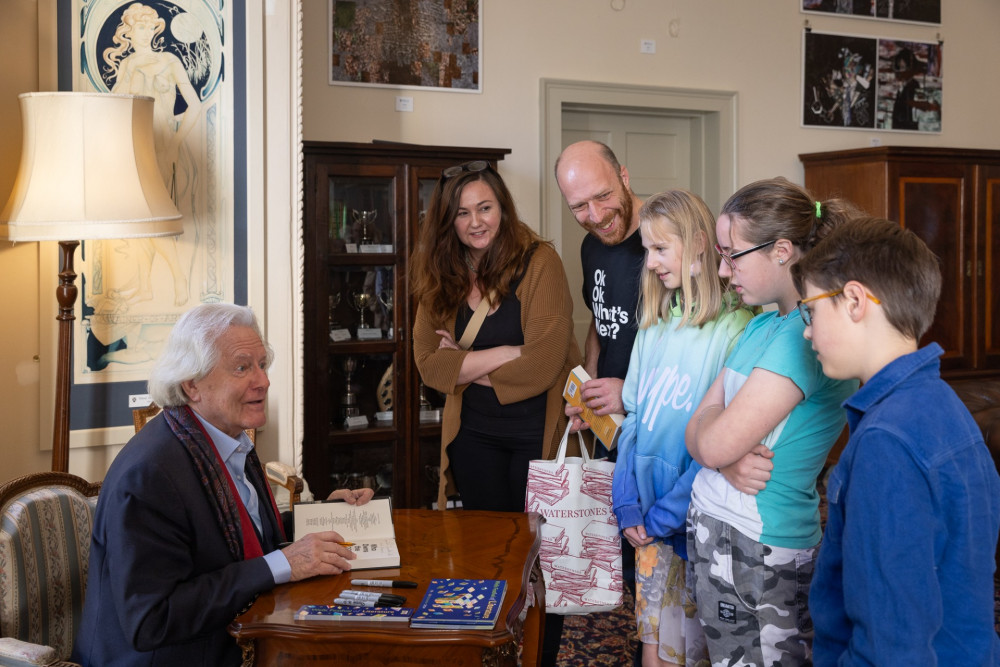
<point x="752" y="598"/>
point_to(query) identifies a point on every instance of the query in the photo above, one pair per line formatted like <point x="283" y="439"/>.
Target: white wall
<point x="752" y="47"/>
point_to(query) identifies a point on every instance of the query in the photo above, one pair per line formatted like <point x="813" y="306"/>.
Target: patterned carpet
<point x="606" y="639"/>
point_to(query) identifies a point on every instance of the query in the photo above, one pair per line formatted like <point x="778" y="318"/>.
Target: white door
<point x="656" y="149"/>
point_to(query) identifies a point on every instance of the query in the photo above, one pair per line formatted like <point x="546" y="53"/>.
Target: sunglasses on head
<point x="474" y="166"/>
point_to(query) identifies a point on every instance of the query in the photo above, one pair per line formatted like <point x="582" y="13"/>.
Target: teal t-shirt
<point x="786" y="512"/>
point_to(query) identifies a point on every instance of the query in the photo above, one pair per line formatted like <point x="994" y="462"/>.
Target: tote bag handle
<point x="561" y="454"/>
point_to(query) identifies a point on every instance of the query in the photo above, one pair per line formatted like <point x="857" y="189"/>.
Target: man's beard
<point x="625" y="216"/>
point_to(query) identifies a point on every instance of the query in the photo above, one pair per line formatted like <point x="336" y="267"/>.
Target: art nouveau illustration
<point x="134" y="290"/>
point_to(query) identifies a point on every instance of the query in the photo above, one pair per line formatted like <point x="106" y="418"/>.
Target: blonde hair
<point x="682" y="214"/>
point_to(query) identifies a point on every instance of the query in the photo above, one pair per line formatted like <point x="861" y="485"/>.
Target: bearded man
<point x="595" y="187"/>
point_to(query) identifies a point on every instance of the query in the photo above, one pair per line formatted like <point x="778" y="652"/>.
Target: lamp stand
<point x="66" y="294"/>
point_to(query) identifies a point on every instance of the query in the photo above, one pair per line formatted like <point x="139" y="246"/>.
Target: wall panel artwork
<point x="182" y="54"/>
<point x="912" y="11"/>
<point x="433" y="44"/>
<point x="869" y="83"/>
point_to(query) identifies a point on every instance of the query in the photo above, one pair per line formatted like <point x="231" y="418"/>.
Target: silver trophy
<point x="362" y="301"/>
<point x="385" y="298"/>
<point x="362" y="219"/>
<point x="349" y="399"/>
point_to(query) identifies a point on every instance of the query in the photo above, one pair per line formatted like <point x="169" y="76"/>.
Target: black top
<point x="480" y="406"/>
<point x="611" y="290"/>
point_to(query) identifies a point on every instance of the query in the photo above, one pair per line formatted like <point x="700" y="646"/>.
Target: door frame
<point x="715" y="109"/>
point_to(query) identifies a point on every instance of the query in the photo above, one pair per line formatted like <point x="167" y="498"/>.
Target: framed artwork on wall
<point x="909" y="86"/>
<point x="422" y="44"/>
<point x="912" y="11"/>
<point x="852" y="82"/>
<point x="189" y="56"/>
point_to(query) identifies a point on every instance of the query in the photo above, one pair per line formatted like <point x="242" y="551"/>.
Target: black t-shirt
<point x="611" y="290"/>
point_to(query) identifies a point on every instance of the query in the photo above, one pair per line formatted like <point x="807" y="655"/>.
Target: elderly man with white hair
<point x="186" y="533"/>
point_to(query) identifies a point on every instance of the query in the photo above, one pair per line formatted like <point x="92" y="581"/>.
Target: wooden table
<point x="432" y="544"/>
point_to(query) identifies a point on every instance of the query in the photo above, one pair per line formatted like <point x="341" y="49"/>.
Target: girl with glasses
<point x="687" y="327"/>
<point x="762" y="432"/>
<point x="503" y="390"/>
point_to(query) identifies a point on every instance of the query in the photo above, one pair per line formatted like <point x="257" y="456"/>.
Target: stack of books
<point x="460" y="604"/>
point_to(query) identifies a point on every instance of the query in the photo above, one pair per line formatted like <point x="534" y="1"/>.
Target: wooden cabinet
<point x="362" y="407"/>
<point x="949" y="197"/>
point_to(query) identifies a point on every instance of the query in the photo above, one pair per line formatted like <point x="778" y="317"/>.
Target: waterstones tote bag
<point x="581" y="548"/>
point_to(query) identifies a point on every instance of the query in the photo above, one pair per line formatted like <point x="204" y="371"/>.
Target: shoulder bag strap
<point x="476" y="321"/>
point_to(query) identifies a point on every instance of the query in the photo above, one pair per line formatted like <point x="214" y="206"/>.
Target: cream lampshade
<point x="88" y="170"/>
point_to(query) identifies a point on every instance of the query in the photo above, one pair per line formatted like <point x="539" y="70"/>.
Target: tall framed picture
<point x="912" y="11"/>
<point x="868" y="83"/>
<point x="189" y="56"/>
<point x="426" y="44"/>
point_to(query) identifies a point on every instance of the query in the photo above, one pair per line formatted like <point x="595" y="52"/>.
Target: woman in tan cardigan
<point x="503" y="403"/>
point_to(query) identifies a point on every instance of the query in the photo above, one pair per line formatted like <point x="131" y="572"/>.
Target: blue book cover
<point x="460" y="603"/>
<point x="336" y="612"/>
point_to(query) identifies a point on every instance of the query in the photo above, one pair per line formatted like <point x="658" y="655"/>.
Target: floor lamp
<point x="88" y="170"/>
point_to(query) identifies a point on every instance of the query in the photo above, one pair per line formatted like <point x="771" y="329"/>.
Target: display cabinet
<point x="949" y="197"/>
<point x="368" y="421"/>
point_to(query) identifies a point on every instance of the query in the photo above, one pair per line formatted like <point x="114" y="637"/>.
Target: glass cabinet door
<point x="361" y="214"/>
<point x="368" y="419"/>
<point x="362" y="303"/>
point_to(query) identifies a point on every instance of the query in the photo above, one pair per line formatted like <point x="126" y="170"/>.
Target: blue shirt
<point x="905" y="571"/>
<point x="233" y="453"/>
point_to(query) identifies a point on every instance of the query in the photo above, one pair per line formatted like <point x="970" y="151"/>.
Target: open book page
<point x="367" y="528"/>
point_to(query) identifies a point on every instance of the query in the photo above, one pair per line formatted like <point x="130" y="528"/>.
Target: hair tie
<point x="819" y="212"/>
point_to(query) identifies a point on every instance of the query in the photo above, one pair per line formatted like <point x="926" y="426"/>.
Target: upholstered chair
<point x="45" y="525"/>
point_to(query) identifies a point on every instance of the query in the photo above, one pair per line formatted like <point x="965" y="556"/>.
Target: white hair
<point x="192" y="349"/>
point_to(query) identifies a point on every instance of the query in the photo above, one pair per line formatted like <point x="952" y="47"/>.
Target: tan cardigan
<point x="549" y="353"/>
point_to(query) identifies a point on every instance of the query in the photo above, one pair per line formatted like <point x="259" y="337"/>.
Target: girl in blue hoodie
<point x="687" y="326"/>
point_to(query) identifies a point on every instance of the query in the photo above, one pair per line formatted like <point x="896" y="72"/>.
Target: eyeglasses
<point x="807" y="312"/>
<point x="731" y="258"/>
<point x="474" y="166"/>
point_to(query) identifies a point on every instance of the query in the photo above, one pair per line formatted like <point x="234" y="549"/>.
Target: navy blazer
<point x="162" y="585"/>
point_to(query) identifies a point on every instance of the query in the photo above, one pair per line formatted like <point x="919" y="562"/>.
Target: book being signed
<point x="367" y="529"/>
